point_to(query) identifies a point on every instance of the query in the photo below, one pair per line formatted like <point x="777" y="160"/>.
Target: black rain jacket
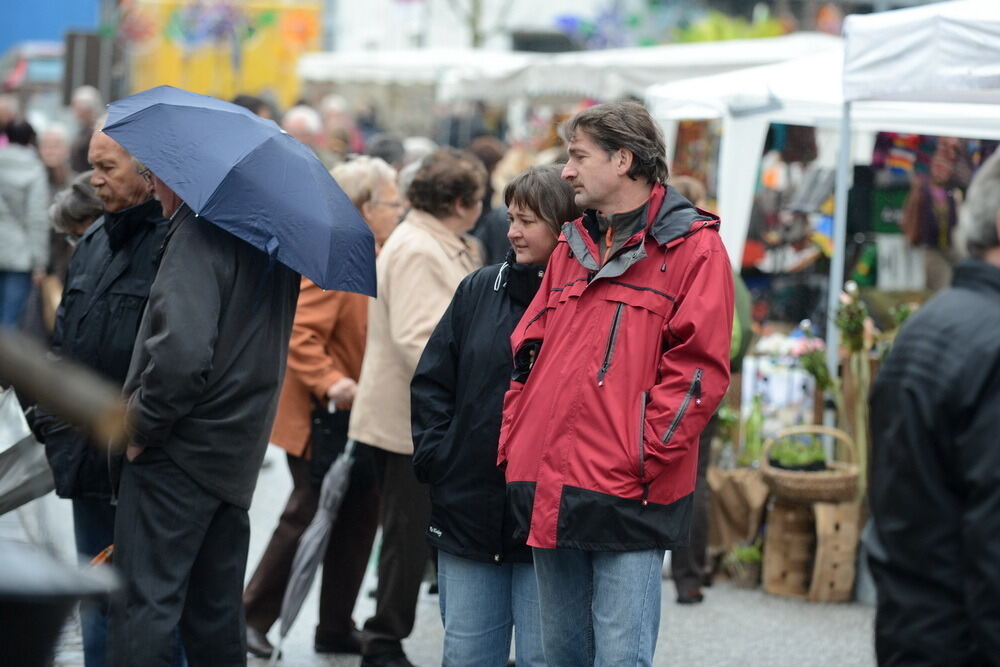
<point x="210" y="356"/>
<point x="106" y="291"/>
<point x="456" y="403"/>
<point x="935" y="480"/>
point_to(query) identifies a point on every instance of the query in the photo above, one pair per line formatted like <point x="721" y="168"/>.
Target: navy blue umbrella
<point x="246" y="175"/>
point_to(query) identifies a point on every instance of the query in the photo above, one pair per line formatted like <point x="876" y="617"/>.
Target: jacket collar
<point x="976" y="275"/>
<point x="454" y="245"/>
<point x="121" y="225"/>
<point x="520" y="280"/>
<point x="670" y="219"/>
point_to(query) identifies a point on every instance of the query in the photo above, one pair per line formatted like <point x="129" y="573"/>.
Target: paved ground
<point x="732" y="626"/>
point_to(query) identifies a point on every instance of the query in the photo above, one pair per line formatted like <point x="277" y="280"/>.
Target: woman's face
<point x="383" y="210"/>
<point x="531" y="237"/>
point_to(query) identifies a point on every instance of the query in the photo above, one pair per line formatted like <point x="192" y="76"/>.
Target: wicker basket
<point x="839" y="483"/>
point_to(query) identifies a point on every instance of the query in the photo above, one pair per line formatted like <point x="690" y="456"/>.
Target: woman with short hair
<point x="486" y="579"/>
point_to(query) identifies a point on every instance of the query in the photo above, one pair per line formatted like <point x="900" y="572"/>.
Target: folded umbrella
<point x="313" y="543"/>
<point x="244" y="174"/>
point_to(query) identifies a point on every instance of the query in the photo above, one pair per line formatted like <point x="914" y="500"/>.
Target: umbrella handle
<point x="349" y="447"/>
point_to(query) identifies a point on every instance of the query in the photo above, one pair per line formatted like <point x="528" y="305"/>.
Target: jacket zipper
<point x="609" y="351"/>
<point x="642" y="428"/>
<point x="694" y="391"/>
<point x="111" y="480"/>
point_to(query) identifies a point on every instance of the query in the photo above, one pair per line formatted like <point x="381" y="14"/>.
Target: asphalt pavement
<point x="731" y="627"/>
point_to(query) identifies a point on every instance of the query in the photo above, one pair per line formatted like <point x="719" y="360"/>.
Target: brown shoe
<point x="257" y="643"/>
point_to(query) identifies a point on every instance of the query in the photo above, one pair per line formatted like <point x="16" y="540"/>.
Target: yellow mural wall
<point x="221" y="47"/>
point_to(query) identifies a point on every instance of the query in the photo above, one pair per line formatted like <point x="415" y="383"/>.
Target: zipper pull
<point x="697" y="391"/>
<point x="645" y="495"/>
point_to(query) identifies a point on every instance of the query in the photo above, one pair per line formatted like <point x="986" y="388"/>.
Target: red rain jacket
<point x="618" y="368"/>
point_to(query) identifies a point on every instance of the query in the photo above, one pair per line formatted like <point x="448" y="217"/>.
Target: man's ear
<point x="623" y="161"/>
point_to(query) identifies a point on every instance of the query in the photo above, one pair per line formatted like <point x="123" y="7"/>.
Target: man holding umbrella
<point x="208" y="362"/>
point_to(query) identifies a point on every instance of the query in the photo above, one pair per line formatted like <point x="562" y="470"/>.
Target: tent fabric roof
<point x="804" y="91"/>
<point x="612" y="73"/>
<point x="405" y="67"/>
<point x="947" y="51"/>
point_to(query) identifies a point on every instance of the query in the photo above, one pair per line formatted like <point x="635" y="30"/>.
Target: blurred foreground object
<point x="72" y="392"/>
<point x="37" y="593"/>
<point x="24" y="472"/>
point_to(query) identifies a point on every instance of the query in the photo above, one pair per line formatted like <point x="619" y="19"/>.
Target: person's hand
<point x="133" y="451"/>
<point x="37" y="276"/>
<point x="342" y="391"/>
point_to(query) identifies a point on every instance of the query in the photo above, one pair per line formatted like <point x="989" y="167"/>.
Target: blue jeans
<point x="14" y="289"/>
<point x="599" y="608"/>
<point x="480" y="603"/>
<point x="94" y="529"/>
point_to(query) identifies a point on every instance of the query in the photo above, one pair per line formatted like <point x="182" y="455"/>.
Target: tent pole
<point x="839" y="245"/>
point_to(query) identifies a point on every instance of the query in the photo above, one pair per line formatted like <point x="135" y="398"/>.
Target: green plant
<point x="748" y="553"/>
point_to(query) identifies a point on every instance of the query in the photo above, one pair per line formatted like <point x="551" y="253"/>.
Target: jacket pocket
<point x="609" y="348"/>
<point x="693" y="392"/>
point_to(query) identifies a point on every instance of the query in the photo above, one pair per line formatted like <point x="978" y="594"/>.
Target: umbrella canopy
<point x="313" y="543"/>
<point x="244" y="174"/>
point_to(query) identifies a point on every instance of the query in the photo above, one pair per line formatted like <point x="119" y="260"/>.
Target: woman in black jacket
<point x="487" y="582"/>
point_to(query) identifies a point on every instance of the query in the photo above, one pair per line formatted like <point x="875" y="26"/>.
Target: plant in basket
<point x="742" y="564"/>
<point x="801" y="452"/>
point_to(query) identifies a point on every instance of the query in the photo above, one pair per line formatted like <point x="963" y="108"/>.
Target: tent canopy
<point x="948" y="51"/>
<point x="403" y="67"/>
<point x="612" y="73"/>
<point x="804" y="91"/>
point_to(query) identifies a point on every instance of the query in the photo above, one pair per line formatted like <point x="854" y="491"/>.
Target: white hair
<point x="303" y="114"/>
<point x="416" y="149"/>
<point x="977" y="224"/>
<point x="90" y="96"/>
<point x="333" y="103"/>
<point x="57" y="129"/>
<point x="361" y="177"/>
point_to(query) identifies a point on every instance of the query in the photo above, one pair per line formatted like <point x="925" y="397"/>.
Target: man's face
<point x="169" y="201"/>
<point x="591" y="171"/>
<point x="115" y="179"/>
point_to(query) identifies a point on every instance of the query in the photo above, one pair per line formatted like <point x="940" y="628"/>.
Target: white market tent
<point x="611" y="73"/>
<point x="804" y="91"/>
<point x="944" y="51"/>
<point x="402" y="67"/>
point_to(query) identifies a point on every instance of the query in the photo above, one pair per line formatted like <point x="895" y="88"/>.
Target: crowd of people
<point x="528" y="396"/>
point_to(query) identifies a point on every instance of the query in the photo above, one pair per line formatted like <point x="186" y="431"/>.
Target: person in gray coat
<point x="24" y="225"/>
<point x="202" y="391"/>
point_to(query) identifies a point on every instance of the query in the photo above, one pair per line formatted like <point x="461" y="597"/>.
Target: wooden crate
<point x="810" y="550"/>
<point x="836" y="551"/>
<point x="789" y="549"/>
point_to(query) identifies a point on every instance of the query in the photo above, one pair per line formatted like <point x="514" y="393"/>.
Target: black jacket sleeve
<point x="433" y="388"/>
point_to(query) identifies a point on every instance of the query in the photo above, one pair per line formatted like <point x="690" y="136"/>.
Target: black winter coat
<point x="935" y="480"/>
<point x="456" y="403"/>
<point x="210" y="356"/>
<point x="106" y="291"/>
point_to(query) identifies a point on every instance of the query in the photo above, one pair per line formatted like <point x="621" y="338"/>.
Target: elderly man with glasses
<point x="106" y="290"/>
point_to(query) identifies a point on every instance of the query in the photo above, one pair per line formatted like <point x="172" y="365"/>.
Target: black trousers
<point x="404" y="514"/>
<point x="182" y="556"/>
<point x="343" y="564"/>
<point x="688" y="564"/>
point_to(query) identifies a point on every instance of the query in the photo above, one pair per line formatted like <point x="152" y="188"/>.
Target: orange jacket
<point x="327" y="344"/>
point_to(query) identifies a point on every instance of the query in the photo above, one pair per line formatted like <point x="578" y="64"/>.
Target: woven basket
<point x="838" y="483"/>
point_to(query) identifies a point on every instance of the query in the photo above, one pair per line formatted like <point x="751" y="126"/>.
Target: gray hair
<point x="306" y="115"/>
<point x="977" y="225"/>
<point x="361" y="177"/>
<point x="406" y="175"/>
<point x="91" y="97"/>
<point x="75" y="205"/>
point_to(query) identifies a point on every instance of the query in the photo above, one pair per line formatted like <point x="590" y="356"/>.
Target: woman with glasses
<point x="324" y="362"/>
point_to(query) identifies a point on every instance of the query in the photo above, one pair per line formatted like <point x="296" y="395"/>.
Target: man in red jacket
<point x="620" y="361"/>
